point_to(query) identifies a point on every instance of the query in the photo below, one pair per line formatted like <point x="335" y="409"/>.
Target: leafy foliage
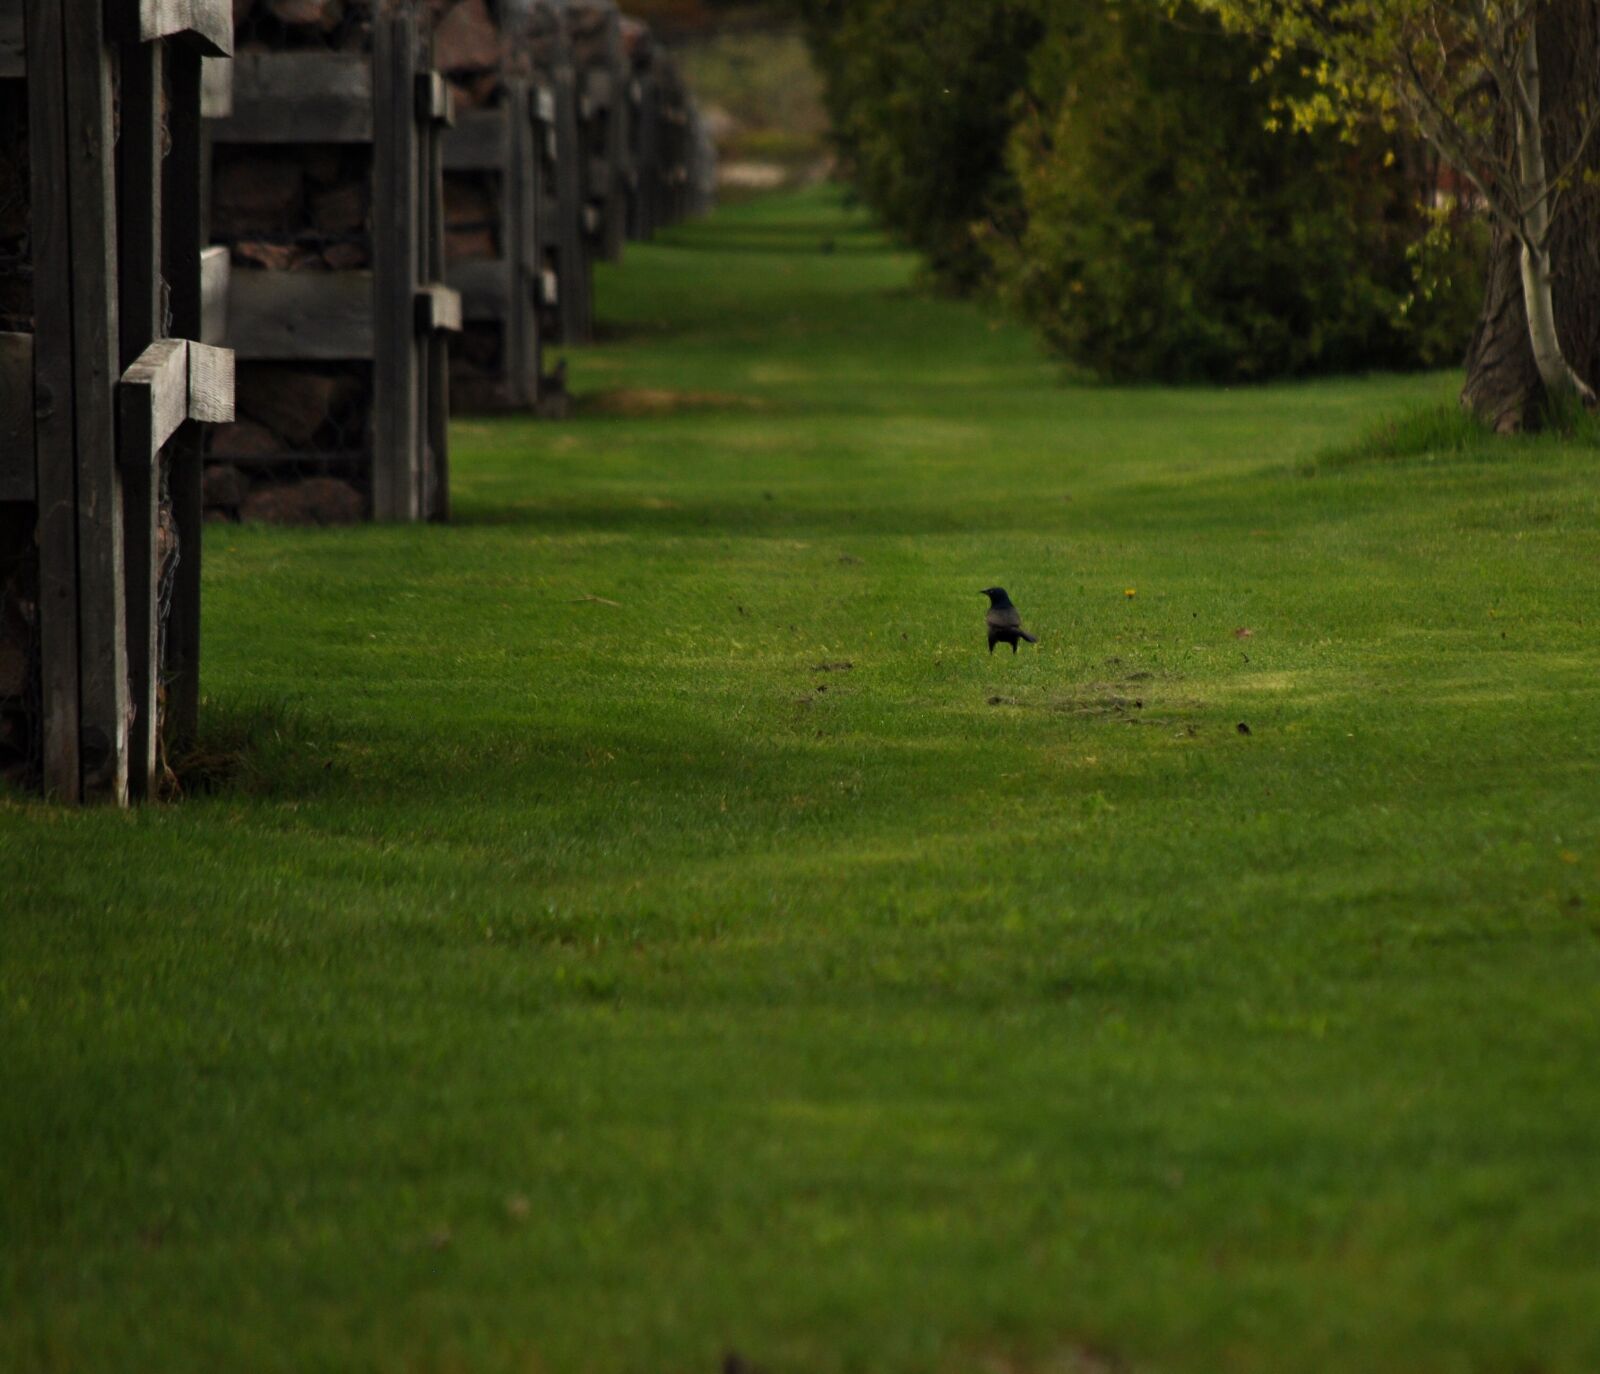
<point x="1116" y="171"/>
<point x="1169" y="231"/>
<point x="1469" y="76"/>
<point x="921" y="95"/>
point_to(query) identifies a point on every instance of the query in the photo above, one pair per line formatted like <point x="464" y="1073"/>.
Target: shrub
<point x="1167" y="232"/>
<point x="920" y="94"/>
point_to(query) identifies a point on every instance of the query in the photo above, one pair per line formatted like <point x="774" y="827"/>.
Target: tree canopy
<point x="1109" y="169"/>
<point x="1468" y="75"/>
<point x="920" y="94"/>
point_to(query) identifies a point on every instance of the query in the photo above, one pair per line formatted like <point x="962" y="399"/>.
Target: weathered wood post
<point x="326" y="192"/>
<point x="566" y="297"/>
<point x="644" y="131"/>
<point x="702" y="164"/>
<point x="672" y="173"/>
<point x="594" y="40"/>
<point x="490" y="198"/>
<point x="96" y="387"/>
<point x="595" y="30"/>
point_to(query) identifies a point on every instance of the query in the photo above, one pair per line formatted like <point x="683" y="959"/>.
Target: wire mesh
<point x="300" y="451"/>
<point x="167" y="550"/>
<point x="294" y="208"/>
<point x="168" y="556"/>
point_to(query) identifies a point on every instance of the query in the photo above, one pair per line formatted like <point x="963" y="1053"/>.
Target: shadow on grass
<point x="243" y="748"/>
<point x="1446" y="432"/>
<point x="249" y="747"/>
<point x="635" y="403"/>
<point x="1216" y="508"/>
<point x="789" y="246"/>
<point x="628" y="331"/>
<point x="716" y="519"/>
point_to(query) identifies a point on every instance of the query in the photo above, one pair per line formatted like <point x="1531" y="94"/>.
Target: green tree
<point x="1167" y="232"/>
<point x="1473" y="77"/>
<point x="921" y="96"/>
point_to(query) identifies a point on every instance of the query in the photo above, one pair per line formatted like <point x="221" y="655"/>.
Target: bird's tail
<point x="1032" y="639"/>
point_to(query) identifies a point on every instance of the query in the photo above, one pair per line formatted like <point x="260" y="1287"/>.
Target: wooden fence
<point x="101" y="372"/>
<point x="566" y="300"/>
<point x="328" y="193"/>
<point x="671" y="162"/>
<point x="320" y="182"/>
<point x="594" y="28"/>
<point x="492" y="169"/>
<point x="644" y="201"/>
<point x="701" y="195"/>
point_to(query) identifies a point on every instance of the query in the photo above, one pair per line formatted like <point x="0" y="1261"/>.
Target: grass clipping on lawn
<point x="644" y="923"/>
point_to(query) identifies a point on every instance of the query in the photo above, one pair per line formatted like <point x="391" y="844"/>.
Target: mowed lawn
<point x="643" y="922"/>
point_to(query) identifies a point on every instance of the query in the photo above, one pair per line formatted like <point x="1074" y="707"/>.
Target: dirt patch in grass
<point x="646" y="402"/>
<point x="1108" y="701"/>
<point x="1071" y="1359"/>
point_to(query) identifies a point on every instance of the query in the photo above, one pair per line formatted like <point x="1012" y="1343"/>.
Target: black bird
<point x="1005" y="624"/>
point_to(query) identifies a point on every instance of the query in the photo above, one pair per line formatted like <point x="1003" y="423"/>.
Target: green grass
<point x="563" y="985"/>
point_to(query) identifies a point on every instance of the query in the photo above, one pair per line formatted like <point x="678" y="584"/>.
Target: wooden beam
<point x="18" y="481"/>
<point x="216" y="87"/>
<point x="479" y="142"/>
<point x="313" y="316"/>
<point x="140" y="153"/>
<point x="520" y="194"/>
<point x="396" y="374"/>
<point x="159" y="371"/>
<point x="54" y="454"/>
<point x="171" y="381"/>
<point x="435" y="103"/>
<point x="91" y="200"/>
<point x="207" y="24"/>
<point x="614" y="230"/>
<point x="439" y="309"/>
<point x="434" y="498"/>
<point x="293" y="97"/>
<point x="216" y="270"/>
<point x="153" y="400"/>
<point x="577" y="315"/>
<point x="482" y="287"/>
<point x="13" y="54"/>
<point x="210" y="394"/>
<point x="184" y="200"/>
<point x="150" y="404"/>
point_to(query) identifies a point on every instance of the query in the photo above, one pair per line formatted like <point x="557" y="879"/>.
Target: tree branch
<point x="1437" y="124"/>
<point x="1493" y="43"/>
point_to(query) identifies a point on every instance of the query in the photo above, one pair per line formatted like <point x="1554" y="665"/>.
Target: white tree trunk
<point x="1537" y="288"/>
